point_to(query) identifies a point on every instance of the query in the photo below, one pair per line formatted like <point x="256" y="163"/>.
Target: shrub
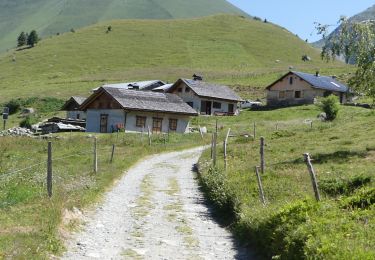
<point x="330" y="106"/>
<point x="339" y="186"/>
<point x="362" y="199"/>
<point x="28" y="121"/>
<point x="14" y="106"/>
<point x="215" y="186"/>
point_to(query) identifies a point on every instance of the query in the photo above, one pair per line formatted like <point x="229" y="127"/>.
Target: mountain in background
<point x="51" y="17"/>
<point x="368" y="14"/>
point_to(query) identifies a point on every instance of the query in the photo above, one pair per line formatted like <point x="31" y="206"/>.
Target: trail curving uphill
<point x="155" y="211"/>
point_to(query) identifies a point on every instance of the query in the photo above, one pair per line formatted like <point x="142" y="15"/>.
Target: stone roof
<point x="73" y="103"/>
<point x="142" y="85"/>
<point x="79" y="100"/>
<point x="148" y="101"/>
<point x="210" y="90"/>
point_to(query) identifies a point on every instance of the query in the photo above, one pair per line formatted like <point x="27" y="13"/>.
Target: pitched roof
<point x="320" y="82"/>
<point x="79" y="100"/>
<point x="73" y="103"/>
<point x="142" y="85"/>
<point x="163" y="88"/>
<point x="210" y="90"/>
<point x="145" y="101"/>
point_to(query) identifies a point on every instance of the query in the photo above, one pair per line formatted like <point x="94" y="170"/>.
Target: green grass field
<point x="34" y="226"/>
<point x="292" y="225"/>
<point x="50" y="17"/>
<point x="241" y="52"/>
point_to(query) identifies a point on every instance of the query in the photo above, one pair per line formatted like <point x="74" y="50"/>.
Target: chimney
<point x="197" y="77"/>
<point x="317" y="73"/>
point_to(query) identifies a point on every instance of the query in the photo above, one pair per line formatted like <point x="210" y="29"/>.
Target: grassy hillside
<point x="49" y="17"/>
<point x="293" y="225"/>
<point x="229" y="49"/>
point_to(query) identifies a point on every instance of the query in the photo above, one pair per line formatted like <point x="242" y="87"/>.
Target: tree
<point x="33" y="38"/>
<point x="355" y="41"/>
<point x="22" y="39"/>
<point x="331" y="106"/>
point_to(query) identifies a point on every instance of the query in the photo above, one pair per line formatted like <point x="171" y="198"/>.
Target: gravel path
<point x="155" y="212"/>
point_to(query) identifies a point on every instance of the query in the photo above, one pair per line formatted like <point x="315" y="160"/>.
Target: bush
<point x="330" y="105"/>
<point x="14" y="106"/>
<point x="28" y="122"/>
<point x="340" y="186"/>
<point x="216" y="188"/>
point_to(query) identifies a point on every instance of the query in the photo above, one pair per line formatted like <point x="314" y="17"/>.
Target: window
<point x="141" y="121"/>
<point x="291" y="80"/>
<point x="217" y="105"/>
<point x="187" y="90"/>
<point x="173" y="124"/>
<point x="190" y="104"/>
<point x="281" y="94"/>
<point x="78" y="116"/>
<point x="179" y="90"/>
<point x="157" y="124"/>
<point x="298" y="94"/>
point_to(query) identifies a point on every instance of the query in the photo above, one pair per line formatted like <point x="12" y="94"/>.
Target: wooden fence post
<point x="49" y="170"/>
<point x="227" y="136"/>
<point x="200" y="131"/>
<point x="149" y="136"/>
<point x="311" y="124"/>
<point x="212" y="146"/>
<point x="225" y="149"/>
<point x="260" y="186"/>
<point x="277" y="127"/>
<point x="225" y="155"/>
<point x="216" y="125"/>
<point x="95" y="155"/>
<point x="313" y="176"/>
<point x="262" y="160"/>
<point x="113" y="153"/>
<point x="254" y="131"/>
<point x="214" y="149"/>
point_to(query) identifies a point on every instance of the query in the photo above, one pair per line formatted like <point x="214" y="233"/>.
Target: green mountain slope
<point x="56" y="16"/>
<point x="224" y="48"/>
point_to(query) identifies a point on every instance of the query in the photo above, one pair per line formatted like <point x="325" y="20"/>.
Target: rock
<point x="17" y="131"/>
<point x="28" y="111"/>
<point x="322" y="116"/>
<point x="204" y="130"/>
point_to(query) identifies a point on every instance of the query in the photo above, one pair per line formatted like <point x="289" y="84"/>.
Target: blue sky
<point x="298" y="16"/>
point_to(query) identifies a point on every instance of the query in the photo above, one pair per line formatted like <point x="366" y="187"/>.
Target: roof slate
<point x="79" y="100"/>
<point x="205" y="89"/>
<point x="142" y="85"/>
<point x="150" y="101"/>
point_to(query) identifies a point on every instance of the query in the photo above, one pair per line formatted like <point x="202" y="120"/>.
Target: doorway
<point x="103" y="123"/>
<point x="230" y="108"/>
<point x="157" y="125"/>
<point x="206" y="107"/>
